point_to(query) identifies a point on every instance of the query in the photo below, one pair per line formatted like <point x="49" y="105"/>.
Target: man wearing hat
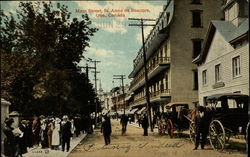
<point x="201" y="129"/>
<point x="10" y="143"/>
<point x="66" y="132"/>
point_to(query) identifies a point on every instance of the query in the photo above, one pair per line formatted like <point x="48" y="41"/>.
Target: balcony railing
<point x="153" y="95"/>
<point x="160" y="92"/>
<point x="158" y="61"/>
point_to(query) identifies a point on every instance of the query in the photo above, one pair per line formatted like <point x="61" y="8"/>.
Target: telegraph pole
<point x="145" y="64"/>
<point x="95" y="72"/>
<point x="121" y="77"/>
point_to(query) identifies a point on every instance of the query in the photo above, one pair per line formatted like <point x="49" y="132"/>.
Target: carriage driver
<point x="201" y="127"/>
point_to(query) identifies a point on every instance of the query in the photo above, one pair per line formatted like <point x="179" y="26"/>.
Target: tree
<point x="41" y="48"/>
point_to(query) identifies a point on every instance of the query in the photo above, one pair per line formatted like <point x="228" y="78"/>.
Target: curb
<point x="72" y="147"/>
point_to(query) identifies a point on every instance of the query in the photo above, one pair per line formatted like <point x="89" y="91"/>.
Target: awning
<point x="141" y="110"/>
<point x="133" y="110"/>
<point x="127" y="98"/>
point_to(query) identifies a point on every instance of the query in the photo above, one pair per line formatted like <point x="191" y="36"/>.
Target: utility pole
<point x="121" y="77"/>
<point x="95" y="72"/>
<point x="145" y="64"/>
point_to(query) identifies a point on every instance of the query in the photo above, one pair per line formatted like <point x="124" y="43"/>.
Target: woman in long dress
<point x="55" y="134"/>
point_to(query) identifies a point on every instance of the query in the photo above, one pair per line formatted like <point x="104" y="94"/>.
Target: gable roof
<point x="228" y="31"/>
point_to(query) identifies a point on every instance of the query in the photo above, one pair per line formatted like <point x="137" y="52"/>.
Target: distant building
<point x="223" y="65"/>
<point x="119" y="99"/>
<point x="172" y="44"/>
<point x="108" y="104"/>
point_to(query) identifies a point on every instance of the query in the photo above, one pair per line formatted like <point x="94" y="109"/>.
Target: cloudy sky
<point x="115" y="44"/>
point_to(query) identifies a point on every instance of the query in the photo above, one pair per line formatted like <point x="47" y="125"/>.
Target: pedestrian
<point x="145" y="125"/>
<point x="139" y="120"/>
<point x="44" y="133"/>
<point x="124" y="122"/>
<point x="50" y="131"/>
<point x="77" y="124"/>
<point x="106" y="129"/>
<point x="19" y="141"/>
<point x="36" y="127"/>
<point x="23" y="141"/>
<point x="10" y="144"/>
<point x="29" y="134"/>
<point x="55" y="134"/>
<point x="201" y="127"/>
<point x="66" y="132"/>
<point x="161" y="127"/>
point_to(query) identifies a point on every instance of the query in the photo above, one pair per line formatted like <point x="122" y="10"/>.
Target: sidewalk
<point x="38" y="152"/>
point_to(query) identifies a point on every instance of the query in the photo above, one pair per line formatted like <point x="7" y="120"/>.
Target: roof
<point x="229" y="32"/>
<point x="226" y="95"/>
<point x="226" y="29"/>
<point x="176" y="104"/>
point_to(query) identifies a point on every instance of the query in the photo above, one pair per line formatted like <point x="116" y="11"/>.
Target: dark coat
<point x="66" y="130"/>
<point x="23" y="141"/>
<point x="145" y="122"/>
<point x="124" y="120"/>
<point x="106" y="127"/>
<point x="10" y="143"/>
<point x="201" y="123"/>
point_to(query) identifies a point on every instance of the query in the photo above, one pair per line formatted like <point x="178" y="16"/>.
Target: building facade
<point x="170" y="47"/>
<point x="223" y="65"/>
<point x="119" y="100"/>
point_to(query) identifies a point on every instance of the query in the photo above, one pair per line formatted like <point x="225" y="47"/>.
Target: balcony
<point x="159" y="64"/>
<point x="155" y="96"/>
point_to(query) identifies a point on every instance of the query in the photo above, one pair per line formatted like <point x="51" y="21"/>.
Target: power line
<point x="142" y="24"/>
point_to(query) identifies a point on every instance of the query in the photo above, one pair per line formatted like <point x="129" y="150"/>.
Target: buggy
<point x="229" y="116"/>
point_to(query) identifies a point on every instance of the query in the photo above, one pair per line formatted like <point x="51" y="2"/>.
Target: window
<point x="166" y="81"/>
<point x="195" y="73"/>
<point x="204" y="77"/>
<point x="205" y="101"/>
<point x="196" y="2"/>
<point x="197" y="18"/>
<point x="217" y="73"/>
<point x="196" y="47"/>
<point x="168" y="14"/>
<point x="236" y="66"/>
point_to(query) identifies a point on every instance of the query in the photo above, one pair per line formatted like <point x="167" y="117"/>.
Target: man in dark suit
<point x="66" y="132"/>
<point x="201" y="127"/>
<point x="145" y="125"/>
<point x="124" y="122"/>
<point x="106" y="129"/>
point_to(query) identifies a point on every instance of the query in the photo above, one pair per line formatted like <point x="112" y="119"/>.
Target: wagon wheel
<point x="192" y="132"/>
<point x="170" y="128"/>
<point x="217" y="135"/>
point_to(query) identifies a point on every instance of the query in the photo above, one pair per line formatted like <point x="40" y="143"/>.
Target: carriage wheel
<point x="217" y="135"/>
<point x="170" y="128"/>
<point x="192" y="132"/>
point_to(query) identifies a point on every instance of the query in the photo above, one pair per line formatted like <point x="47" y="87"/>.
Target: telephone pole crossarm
<point x="121" y="77"/>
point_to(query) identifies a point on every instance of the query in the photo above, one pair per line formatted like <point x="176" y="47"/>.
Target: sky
<point x="115" y="44"/>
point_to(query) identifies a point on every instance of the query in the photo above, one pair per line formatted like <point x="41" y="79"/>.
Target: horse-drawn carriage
<point x="174" y="117"/>
<point x="229" y="116"/>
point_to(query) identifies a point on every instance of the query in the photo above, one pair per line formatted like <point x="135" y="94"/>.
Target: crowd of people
<point x="45" y="132"/>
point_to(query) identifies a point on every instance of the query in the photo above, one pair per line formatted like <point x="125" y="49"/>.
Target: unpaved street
<point x="136" y="145"/>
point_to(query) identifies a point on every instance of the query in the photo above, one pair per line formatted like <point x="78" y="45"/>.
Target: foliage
<point x="40" y="49"/>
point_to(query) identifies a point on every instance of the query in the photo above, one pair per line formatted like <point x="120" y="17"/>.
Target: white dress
<point x="55" y="135"/>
